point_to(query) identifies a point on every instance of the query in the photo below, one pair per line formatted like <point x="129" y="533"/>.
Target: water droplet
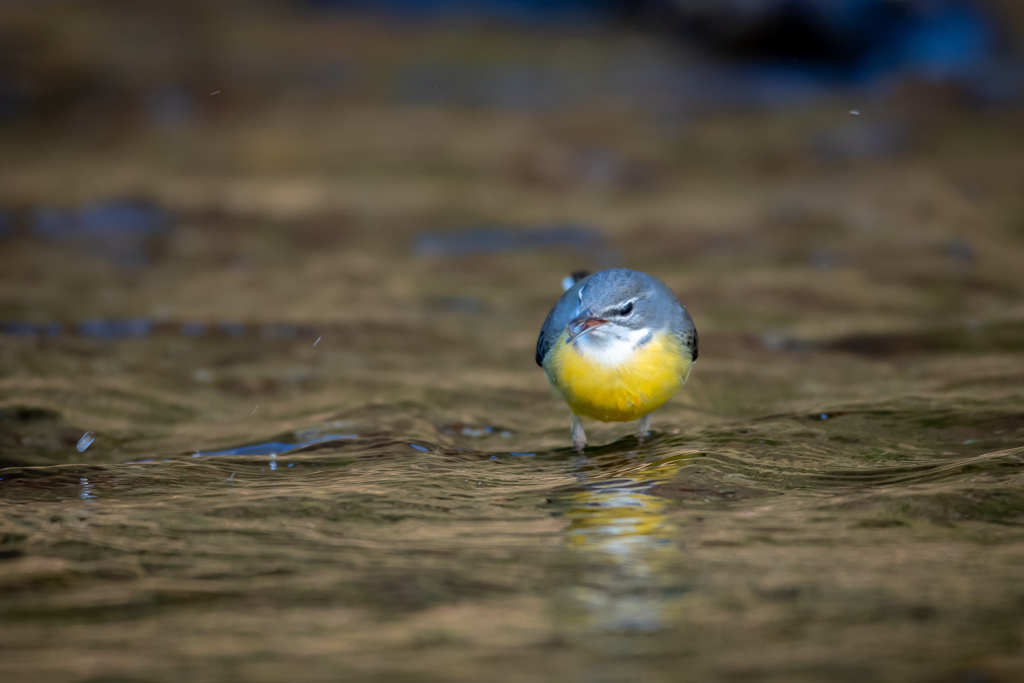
<point x="232" y="476"/>
<point x="855" y="112"/>
<point x="317" y="340"/>
<point x="85" y="442"/>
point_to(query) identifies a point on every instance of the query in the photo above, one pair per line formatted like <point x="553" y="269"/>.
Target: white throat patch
<point x="610" y="344"/>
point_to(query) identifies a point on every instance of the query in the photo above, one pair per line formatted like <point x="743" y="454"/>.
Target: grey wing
<point x="685" y="331"/>
<point x="565" y="310"/>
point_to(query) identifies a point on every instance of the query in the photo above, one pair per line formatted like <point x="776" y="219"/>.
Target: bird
<point x="617" y="345"/>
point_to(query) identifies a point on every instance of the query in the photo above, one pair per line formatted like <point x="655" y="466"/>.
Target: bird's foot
<point x="643" y="430"/>
<point x="579" y="437"/>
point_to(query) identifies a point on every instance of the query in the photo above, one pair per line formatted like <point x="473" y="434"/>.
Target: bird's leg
<point x="643" y="430"/>
<point x="579" y="437"/>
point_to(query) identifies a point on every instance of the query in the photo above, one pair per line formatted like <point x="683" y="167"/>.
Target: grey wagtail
<point x="616" y="346"/>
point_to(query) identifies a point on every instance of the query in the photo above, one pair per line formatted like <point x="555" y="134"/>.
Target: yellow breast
<point x="623" y="392"/>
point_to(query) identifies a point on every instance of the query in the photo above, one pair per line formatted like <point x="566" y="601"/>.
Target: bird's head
<point x="620" y="303"/>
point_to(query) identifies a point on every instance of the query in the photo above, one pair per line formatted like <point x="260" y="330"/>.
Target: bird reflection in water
<point x="630" y="573"/>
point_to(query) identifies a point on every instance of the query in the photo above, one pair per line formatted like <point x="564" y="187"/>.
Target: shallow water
<point x="839" y="539"/>
<point x="320" y="448"/>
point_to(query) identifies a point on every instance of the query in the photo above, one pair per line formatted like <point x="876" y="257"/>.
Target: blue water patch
<point x="22" y="328"/>
<point x="524" y="455"/>
<point x="135" y="328"/>
<point x="575" y="13"/>
<point x="192" y="329"/>
<point x="18" y="328"/>
<point x="498" y="240"/>
<point x="233" y="329"/>
<point x="6" y="224"/>
<point x="119" y="229"/>
<point x="274" y="448"/>
<point x="419" y="447"/>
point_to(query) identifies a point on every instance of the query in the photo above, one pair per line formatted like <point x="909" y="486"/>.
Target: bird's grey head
<point x="622" y="298"/>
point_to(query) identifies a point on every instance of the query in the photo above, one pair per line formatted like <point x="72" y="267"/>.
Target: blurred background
<point x="782" y="163"/>
<point x="227" y="222"/>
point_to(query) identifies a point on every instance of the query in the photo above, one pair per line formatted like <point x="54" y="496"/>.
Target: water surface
<point x="320" y="448"/>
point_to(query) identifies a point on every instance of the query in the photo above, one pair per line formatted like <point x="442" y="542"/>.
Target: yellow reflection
<point x="626" y="548"/>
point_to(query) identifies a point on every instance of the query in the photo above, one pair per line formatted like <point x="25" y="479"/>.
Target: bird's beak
<point x="583" y="323"/>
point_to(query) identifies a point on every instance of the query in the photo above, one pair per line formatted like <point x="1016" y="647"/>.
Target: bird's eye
<point x="626" y="310"/>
